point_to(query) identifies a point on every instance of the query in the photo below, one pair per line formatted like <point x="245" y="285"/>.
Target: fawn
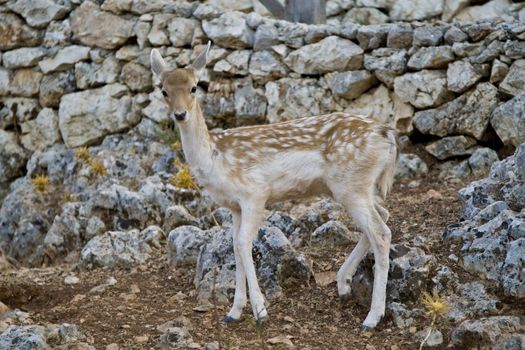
<point x="348" y="157"/>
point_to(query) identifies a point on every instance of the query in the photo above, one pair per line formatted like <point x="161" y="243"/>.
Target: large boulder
<point x="330" y="54"/>
<point x="468" y="114"/>
<point x="93" y="27"/>
<point x="87" y="117"/>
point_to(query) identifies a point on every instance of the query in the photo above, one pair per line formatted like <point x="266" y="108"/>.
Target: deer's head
<point x="179" y="85"/>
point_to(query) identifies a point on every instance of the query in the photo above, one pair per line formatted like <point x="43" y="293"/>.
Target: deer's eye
<point x="193" y="89"/>
<point x="164" y="93"/>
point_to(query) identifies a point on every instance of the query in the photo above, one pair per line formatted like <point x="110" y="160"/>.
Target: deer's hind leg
<point x="361" y="206"/>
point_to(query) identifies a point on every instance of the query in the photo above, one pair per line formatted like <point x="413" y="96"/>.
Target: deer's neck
<point x="196" y="142"/>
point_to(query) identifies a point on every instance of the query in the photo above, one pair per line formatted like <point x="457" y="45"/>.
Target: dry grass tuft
<point x="183" y="178"/>
<point x="176" y="146"/>
<point x="98" y="168"/>
<point x="83" y="154"/>
<point x="435" y="305"/>
<point x="40" y="183"/>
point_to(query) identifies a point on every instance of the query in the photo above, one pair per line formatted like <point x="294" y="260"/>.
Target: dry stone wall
<point x="74" y="72"/>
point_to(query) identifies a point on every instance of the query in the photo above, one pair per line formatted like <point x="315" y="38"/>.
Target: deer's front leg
<point x="239" y="300"/>
<point x="251" y="217"/>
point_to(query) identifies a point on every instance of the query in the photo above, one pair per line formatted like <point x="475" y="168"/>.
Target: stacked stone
<point x="75" y="72"/>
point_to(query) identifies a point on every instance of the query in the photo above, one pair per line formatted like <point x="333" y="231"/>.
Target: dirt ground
<point x="311" y="316"/>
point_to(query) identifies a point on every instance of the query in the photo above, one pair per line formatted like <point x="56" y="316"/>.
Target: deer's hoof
<point x="230" y="320"/>
<point x="344" y="298"/>
<point x="261" y="320"/>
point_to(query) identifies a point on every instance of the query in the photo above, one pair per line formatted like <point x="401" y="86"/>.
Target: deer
<point x="350" y="158"/>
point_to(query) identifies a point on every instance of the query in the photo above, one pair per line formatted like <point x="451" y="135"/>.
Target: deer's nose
<point x="180" y="115"/>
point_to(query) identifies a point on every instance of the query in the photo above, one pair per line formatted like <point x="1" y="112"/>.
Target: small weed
<point x="98" y="168"/>
<point x="436" y="307"/>
<point x="176" y="146"/>
<point x="183" y="177"/>
<point x="83" y="154"/>
<point x="40" y="183"/>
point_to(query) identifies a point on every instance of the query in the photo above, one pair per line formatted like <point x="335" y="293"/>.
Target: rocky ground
<point x="106" y="242"/>
<point x="157" y="301"/>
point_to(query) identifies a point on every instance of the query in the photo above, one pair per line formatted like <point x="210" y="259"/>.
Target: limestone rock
<point x="53" y="86"/>
<point x="86" y="117"/>
<point x="468" y="114"/>
<point x="265" y="37"/>
<point x="25" y="82"/>
<point x="514" y="82"/>
<point x="410" y="166"/>
<point x="330" y="54"/>
<point x="384" y="106"/>
<point x="498" y="72"/>
<point x="365" y="16"/>
<point x="427" y="88"/>
<point x="484" y="332"/>
<point x="250" y="104"/>
<point x="157" y="35"/>
<point x="91" y="75"/>
<point x="181" y="31"/>
<point x="42" y="131"/>
<point x="333" y="233"/>
<point x="427" y="36"/>
<point x="461" y="75"/>
<point x="229" y="30"/>
<point x="38" y="13"/>
<point x="373" y="36"/>
<point x="451" y="146"/>
<point x="489" y="10"/>
<point x="236" y="63"/>
<point x="410" y="10"/>
<point x="64" y="59"/>
<point x="13" y="157"/>
<point x="265" y="66"/>
<point x="93" y="27"/>
<point x="114" y="249"/>
<point x="351" y="84"/>
<point x="455" y="35"/>
<point x="17" y="34"/>
<point x="184" y="245"/>
<point x="431" y="57"/>
<point x="136" y="77"/>
<point x="295" y="98"/>
<point x="508" y="120"/>
<point x="400" y="36"/>
<point x="23" y="57"/>
<point x="57" y="33"/>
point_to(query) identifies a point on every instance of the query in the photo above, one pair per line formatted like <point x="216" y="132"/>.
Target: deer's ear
<point x="200" y="62"/>
<point x="158" y="66"/>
